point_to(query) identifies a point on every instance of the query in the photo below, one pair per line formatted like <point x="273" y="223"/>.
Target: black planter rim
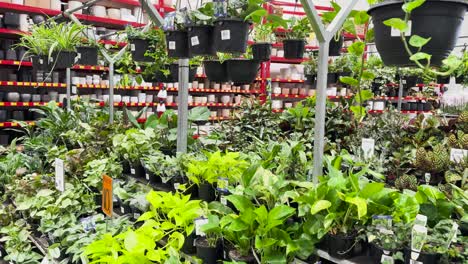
<point x="234" y="19"/>
<point x="294" y="40"/>
<point x="399" y="2"/>
<point x="261" y="43"/>
<point x="189" y="28"/>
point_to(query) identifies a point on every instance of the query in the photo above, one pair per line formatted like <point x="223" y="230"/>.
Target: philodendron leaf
<point x="396" y="23"/>
<point x="367" y="75"/>
<point x="358" y="111"/>
<point x="357" y="48"/>
<point x="319" y="206"/>
<point x="349" y="80"/>
<point x="411" y="5"/>
<point x="418" y="42"/>
<point x="363" y="96"/>
<point x="361" y="18"/>
<point x="360" y="203"/>
<point x="420" y="56"/>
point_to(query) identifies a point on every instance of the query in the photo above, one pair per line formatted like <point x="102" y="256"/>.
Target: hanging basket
<point x="294" y="48"/>
<point x="138" y="48"/>
<point x="261" y="51"/>
<point x="87" y="55"/>
<point x="200" y="40"/>
<point x="335" y="46"/>
<point x="216" y="71"/>
<point x="438" y="19"/>
<point x="174" y="68"/>
<point x="41" y="63"/>
<point x="177" y="44"/>
<point x="63" y="59"/>
<point x="231" y="35"/>
<point x="242" y="71"/>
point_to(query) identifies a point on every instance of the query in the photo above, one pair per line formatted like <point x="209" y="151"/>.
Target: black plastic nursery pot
<point x="376" y="252"/>
<point x="410" y="81"/>
<point x="438" y="19"/>
<point x="332" y="78"/>
<point x="11" y="20"/>
<point x="151" y="177"/>
<point x="443" y="79"/>
<point x="216" y="71"/>
<point x="41" y="63"/>
<point x="189" y="244"/>
<point x="261" y="51"/>
<point x="87" y="55"/>
<point x="63" y="59"/>
<point x="209" y="255"/>
<point x="174" y="68"/>
<point x="311" y="80"/>
<point x="231" y="35"/>
<point x="242" y="71"/>
<point x="294" y="48"/>
<point x="177" y="44"/>
<point x="137" y="170"/>
<point x="206" y="192"/>
<point x="138" y="48"/>
<point x="335" y="46"/>
<point x="235" y="256"/>
<point x="200" y="40"/>
<point x="425" y="258"/>
<point x="125" y="208"/>
<point x="343" y="246"/>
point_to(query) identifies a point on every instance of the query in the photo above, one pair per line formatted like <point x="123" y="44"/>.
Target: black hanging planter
<point x="376" y="253"/>
<point x="11" y="20"/>
<point x="138" y="48"/>
<point x="209" y="255"/>
<point x="216" y="71"/>
<point x="41" y="63"/>
<point x="63" y="59"/>
<point x="174" y="68"/>
<point x="231" y="35"/>
<point x="342" y="246"/>
<point x="294" y="48"/>
<point x="426" y="258"/>
<point x="206" y="192"/>
<point x="261" y="51"/>
<point x="332" y="78"/>
<point x="87" y="55"/>
<point x="443" y="79"/>
<point x="335" y="46"/>
<point x="242" y="71"/>
<point x="177" y="44"/>
<point x="427" y="21"/>
<point x="200" y="40"/>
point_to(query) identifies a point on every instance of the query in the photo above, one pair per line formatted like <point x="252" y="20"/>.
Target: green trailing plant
<point x="246" y="9"/>
<point x="19" y="249"/>
<point x="134" y="143"/>
<point x="203" y="15"/>
<point x="298" y="28"/>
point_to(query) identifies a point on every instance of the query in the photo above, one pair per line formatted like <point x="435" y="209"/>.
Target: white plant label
<point x="412" y="261"/>
<point x="73" y="89"/>
<point x="147" y="176"/>
<point x="368" y="145"/>
<point x="418" y="239"/>
<point x="172" y="45"/>
<point x="223" y="200"/>
<point x="132" y="171"/>
<point x="225" y="34"/>
<point x="132" y="47"/>
<point x="122" y="210"/>
<point x="427" y="177"/>
<point x="396" y="33"/>
<point x="386" y="259"/>
<point x="194" y="40"/>
<point x="199" y="222"/>
<point x="420" y="220"/>
<point x="458" y="155"/>
<point x="176" y="186"/>
<point x="59" y="175"/>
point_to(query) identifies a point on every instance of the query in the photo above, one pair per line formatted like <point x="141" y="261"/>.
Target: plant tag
<point x="223" y="200"/>
<point x="199" y="222"/>
<point x="368" y="145"/>
<point x="59" y="175"/>
<point x="396" y="33"/>
<point x="171" y="45"/>
<point x="122" y="210"/>
<point x="194" y="40"/>
<point x="458" y="155"/>
<point x="176" y="186"/>
<point x="386" y="259"/>
<point x="147" y="176"/>
<point x="418" y="239"/>
<point x="132" y="171"/>
<point x="132" y="47"/>
<point x="412" y="261"/>
<point x="88" y="223"/>
<point x="45" y="260"/>
<point x="427" y="177"/>
<point x="420" y="220"/>
<point x="107" y="194"/>
<point x="73" y="89"/>
<point x="223" y="184"/>
<point x="453" y="234"/>
<point x="136" y="215"/>
<point x="225" y="34"/>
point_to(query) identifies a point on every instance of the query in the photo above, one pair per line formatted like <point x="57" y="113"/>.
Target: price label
<point x="147" y="176"/>
<point x="172" y="45"/>
<point x="368" y="145"/>
<point x="176" y="186"/>
<point x="199" y="222"/>
<point x="386" y="259"/>
<point x="458" y="155"/>
<point x="427" y="177"/>
<point x="132" y="171"/>
<point x="223" y="184"/>
<point x="59" y="175"/>
<point x="225" y="34"/>
<point x="223" y="200"/>
<point x="107" y="201"/>
<point x="122" y="210"/>
<point x="73" y="89"/>
<point x="396" y="33"/>
<point x="132" y="47"/>
<point x="194" y="41"/>
<point x="420" y="220"/>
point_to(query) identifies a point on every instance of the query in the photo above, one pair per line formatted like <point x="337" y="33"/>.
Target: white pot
<point x="211" y="98"/>
<point x="62" y="97"/>
<point x="113" y="13"/>
<point x="105" y="98"/>
<point x="225" y="99"/>
<point x="190" y="99"/>
<point x="379" y="105"/>
<point x="214" y="113"/>
<point x="285" y="91"/>
<point x="75" y="80"/>
<point x="288" y="105"/>
<point x="75" y="4"/>
<point x="149" y="98"/>
<point x="170" y="99"/>
<point x="277" y="90"/>
<point x="195" y="84"/>
<point x="142" y="98"/>
<point x="246" y="87"/>
<point x="133" y="99"/>
<point x="17" y="2"/>
<point x="238" y="99"/>
<point x="55" y="5"/>
<point x="89" y="79"/>
<point x="201" y="86"/>
<point x="204" y="100"/>
<point x="126" y="11"/>
<point x="99" y="11"/>
<point x="23" y="21"/>
<point x="117" y="98"/>
<point x="53" y="95"/>
<point x="311" y="92"/>
<point x="276" y="104"/>
<point x="126" y="99"/>
<point x="216" y="86"/>
<point x="274" y="52"/>
<point x="226" y="112"/>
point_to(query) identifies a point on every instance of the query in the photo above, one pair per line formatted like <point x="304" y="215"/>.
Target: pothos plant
<point x="298" y="28"/>
<point x="421" y="59"/>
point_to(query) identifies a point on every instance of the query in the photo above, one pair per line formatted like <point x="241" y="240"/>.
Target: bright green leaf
<point x="411" y="5"/>
<point x="418" y="42"/>
<point x="396" y="23"/>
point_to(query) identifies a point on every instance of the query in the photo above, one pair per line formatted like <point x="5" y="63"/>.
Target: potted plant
<point x="208" y="244"/>
<point x="200" y="31"/>
<point x="88" y="52"/>
<point x="390" y="18"/>
<point x="390" y="242"/>
<point x="264" y="35"/>
<point x="294" y="44"/>
<point x="461" y="74"/>
<point x="64" y="39"/>
<point x="310" y="70"/>
<point x="242" y="70"/>
<point x="232" y="28"/>
<point x="139" y="44"/>
<point x="216" y="67"/>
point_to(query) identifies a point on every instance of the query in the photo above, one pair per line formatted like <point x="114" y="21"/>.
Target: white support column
<point x="68" y="77"/>
<point x="324" y="36"/>
<point x="182" y="110"/>
<point x="111" y="92"/>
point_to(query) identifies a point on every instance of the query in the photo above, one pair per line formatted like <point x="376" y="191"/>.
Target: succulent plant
<point x="407" y="181"/>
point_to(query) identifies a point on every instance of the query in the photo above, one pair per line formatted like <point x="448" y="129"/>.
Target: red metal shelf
<point x="289" y="96"/>
<point x="32" y="84"/>
<point x="282" y="3"/>
<point x="16" y="63"/>
<point x="121" y="104"/>
<point x="287" y="80"/>
<point x="15" y="124"/>
<point x="90" y="68"/>
<point x="24" y="104"/>
<point x="277" y="110"/>
<point x="11" y="33"/>
<point x="284" y="60"/>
